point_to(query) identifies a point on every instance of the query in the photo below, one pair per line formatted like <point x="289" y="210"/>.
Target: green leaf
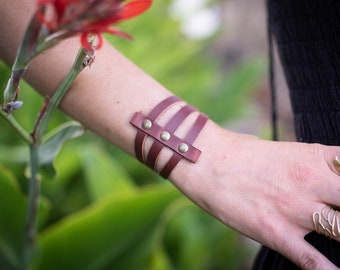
<point x="160" y="260"/>
<point x="143" y="255"/>
<point x="191" y="247"/>
<point x="98" y="235"/>
<point x="69" y="186"/>
<point x="8" y="258"/>
<point x="104" y="176"/>
<point x="15" y="154"/>
<point x="12" y="219"/>
<point x="53" y="142"/>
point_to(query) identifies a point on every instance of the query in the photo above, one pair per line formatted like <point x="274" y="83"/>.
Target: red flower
<point x="65" y="18"/>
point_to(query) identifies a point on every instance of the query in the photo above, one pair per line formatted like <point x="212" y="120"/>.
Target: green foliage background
<point x="105" y="210"/>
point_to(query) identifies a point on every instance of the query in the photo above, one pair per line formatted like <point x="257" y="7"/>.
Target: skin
<point x="265" y="190"/>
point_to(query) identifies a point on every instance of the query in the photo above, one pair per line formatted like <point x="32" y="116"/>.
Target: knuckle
<point x="309" y="262"/>
<point x="305" y="171"/>
<point x="315" y="149"/>
<point x="302" y="174"/>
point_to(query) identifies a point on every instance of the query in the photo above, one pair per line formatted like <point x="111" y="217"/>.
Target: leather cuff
<point x="164" y="135"/>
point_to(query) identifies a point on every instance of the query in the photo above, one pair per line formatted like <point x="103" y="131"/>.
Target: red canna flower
<point x="65" y="18"/>
<point x="55" y="20"/>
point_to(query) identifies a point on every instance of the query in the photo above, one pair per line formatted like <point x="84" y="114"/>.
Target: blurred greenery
<point x="104" y="210"/>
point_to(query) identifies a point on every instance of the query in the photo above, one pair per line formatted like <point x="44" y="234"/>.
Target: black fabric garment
<point x="307" y="33"/>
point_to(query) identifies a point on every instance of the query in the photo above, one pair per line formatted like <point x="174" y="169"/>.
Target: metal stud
<point x="183" y="148"/>
<point x="147" y="124"/>
<point x="165" y="136"/>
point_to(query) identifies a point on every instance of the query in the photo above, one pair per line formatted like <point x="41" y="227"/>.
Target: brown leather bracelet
<point x="189" y="138"/>
<point x="164" y="136"/>
<point x="152" y="116"/>
<point x="170" y="128"/>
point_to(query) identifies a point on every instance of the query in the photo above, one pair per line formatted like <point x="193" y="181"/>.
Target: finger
<point x="333" y="159"/>
<point x="329" y="188"/>
<point x="306" y="256"/>
<point x="327" y="222"/>
<point x="329" y="192"/>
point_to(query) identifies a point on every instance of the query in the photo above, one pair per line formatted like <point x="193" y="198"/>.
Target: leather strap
<point x="170" y="127"/>
<point x="164" y="136"/>
<point x="189" y="138"/>
<point x="191" y="154"/>
<point x="152" y="116"/>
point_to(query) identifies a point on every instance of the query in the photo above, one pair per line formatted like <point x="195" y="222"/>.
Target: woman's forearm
<point x="105" y="96"/>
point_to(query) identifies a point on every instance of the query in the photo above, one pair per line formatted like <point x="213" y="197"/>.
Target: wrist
<point x="216" y="145"/>
<point x="215" y="170"/>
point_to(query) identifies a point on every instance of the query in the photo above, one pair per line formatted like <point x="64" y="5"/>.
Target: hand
<point x="266" y="190"/>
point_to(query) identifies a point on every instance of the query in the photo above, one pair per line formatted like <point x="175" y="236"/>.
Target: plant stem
<point x="77" y="67"/>
<point x="32" y="211"/>
<point x="17" y="127"/>
<point x="35" y="143"/>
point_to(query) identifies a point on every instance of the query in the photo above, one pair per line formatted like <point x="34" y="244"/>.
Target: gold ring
<point x="327" y="222"/>
<point x="336" y="164"/>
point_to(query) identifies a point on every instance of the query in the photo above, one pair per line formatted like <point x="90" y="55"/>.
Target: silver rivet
<point x="183" y="148"/>
<point x="165" y="136"/>
<point x="147" y="124"/>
